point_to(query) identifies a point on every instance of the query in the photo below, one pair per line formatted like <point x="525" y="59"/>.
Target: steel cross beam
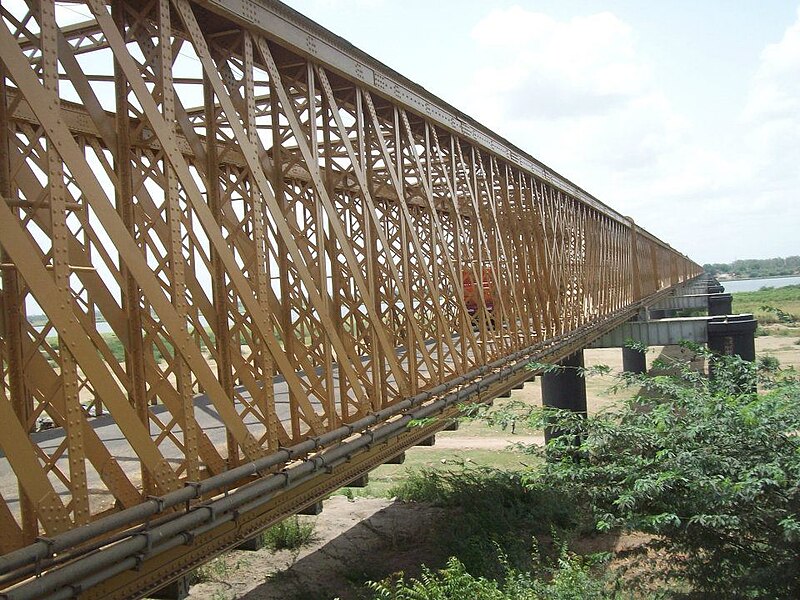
<point x="224" y="232"/>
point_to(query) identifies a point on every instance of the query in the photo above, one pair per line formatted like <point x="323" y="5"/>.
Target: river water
<point x="751" y="285"/>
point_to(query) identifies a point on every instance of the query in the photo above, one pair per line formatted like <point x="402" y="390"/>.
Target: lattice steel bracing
<point x="225" y="230"/>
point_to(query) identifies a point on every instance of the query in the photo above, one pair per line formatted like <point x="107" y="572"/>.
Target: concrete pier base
<point x="565" y="389"/>
<point x="177" y="590"/>
<point x="733" y="335"/>
<point x="398" y="459"/>
<point x="312" y="509"/>
<point x="251" y="545"/>
<point x="634" y="361"/>
<point x="431" y="441"/>
<point x="720" y="304"/>
<point x="360" y="482"/>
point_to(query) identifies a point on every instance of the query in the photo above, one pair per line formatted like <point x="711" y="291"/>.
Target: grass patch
<point x="785" y="298"/>
<point x="779" y="330"/>
<point x="290" y="534"/>
<point x="384" y="479"/>
<point x="494" y="516"/>
<point x="219" y="569"/>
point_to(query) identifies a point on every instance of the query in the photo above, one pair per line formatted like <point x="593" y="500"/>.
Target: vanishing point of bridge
<point x="238" y="256"/>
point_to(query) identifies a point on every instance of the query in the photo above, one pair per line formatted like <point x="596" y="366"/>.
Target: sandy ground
<point x="363" y="539"/>
<point x="461" y="442"/>
<point x="354" y="541"/>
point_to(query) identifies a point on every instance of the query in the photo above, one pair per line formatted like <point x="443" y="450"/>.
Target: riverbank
<point x="761" y="303"/>
<point x="752" y="285"/>
<point x="722" y="278"/>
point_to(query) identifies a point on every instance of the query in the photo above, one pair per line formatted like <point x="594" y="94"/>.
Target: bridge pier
<point x="361" y="482"/>
<point x="177" y="590"/>
<point x="634" y="361"/>
<point x="251" y="545"/>
<point x="312" y="509"/>
<point x="733" y="335"/>
<point x="565" y="389"/>
<point x="397" y="459"/>
<point x="720" y="304"/>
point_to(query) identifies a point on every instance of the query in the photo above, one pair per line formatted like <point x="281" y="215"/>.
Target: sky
<point x="683" y="114"/>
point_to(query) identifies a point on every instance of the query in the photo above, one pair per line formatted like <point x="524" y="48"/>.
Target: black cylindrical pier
<point x="733" y="335"/>
<point x="565" y="389"/>
<point x="720" y="304"/>
<point x="634" y="361"/>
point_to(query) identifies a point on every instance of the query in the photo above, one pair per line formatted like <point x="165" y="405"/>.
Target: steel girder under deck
<point x="220" y="208"/>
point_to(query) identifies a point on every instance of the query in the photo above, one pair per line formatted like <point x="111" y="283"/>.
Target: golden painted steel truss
<point x="217" y="208"/>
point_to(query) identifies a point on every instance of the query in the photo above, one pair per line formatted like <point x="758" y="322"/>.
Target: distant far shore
<point x="723" y="278"/>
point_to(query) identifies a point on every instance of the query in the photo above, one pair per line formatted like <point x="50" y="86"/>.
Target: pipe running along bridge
<point x="238" y="256"/>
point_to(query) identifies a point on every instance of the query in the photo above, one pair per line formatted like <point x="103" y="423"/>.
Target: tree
<point x="706" y="466"/>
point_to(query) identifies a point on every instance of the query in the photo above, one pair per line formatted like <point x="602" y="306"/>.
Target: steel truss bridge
<point x="233" y="253"/>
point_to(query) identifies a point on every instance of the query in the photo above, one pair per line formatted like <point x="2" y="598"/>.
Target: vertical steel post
<point x="14" y="317"/>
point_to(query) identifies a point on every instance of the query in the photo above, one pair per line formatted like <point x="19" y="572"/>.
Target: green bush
<point x="451" y="583"/>
<point x="707" y="466"/>
<point x="289" y="534"/>
<point x="570" y="578"/>
<point x="490" y="509"/>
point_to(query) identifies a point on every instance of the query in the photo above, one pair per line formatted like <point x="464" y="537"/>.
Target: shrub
<point x="570" y="578"/>
<point x="451" y="583"/>
<point x="708" y="467"/>
<point x="289" y="534"/>
<point x="490" y="509"/>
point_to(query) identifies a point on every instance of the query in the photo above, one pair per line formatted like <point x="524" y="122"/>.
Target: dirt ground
<point x="357" y="539"/>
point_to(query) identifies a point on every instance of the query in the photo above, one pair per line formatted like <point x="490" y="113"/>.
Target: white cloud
<point x="772" y="112"/>
<point x="579" y="95"/>
<point x="553" y="69"/>
<point x="775" y="94"/>
<point x="571" y="91"/>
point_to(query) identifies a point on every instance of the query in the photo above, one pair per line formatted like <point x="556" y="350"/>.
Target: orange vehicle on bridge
<point x="472" y="294"/>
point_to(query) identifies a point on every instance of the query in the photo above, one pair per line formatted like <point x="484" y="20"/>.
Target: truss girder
<point x="201" y="217"/>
